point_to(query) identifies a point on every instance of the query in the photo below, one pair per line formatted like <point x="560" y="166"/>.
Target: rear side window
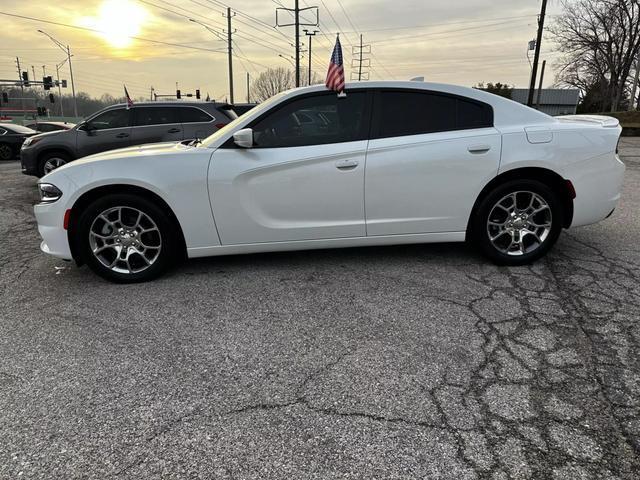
<point x="194" y="115"/>
<point x="2" y="131"/>
<point x="155" y="116"/>
<point x="401" y="113"/>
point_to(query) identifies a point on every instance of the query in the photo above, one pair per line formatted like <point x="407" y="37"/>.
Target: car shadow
<point x="453" y="254"/>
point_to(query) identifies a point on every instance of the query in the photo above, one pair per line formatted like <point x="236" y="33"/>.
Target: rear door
<point x="153" y="124"/>
<point x="429" y="156"/>
<point x="106" y="131"/>
<point x="199" y="124"/>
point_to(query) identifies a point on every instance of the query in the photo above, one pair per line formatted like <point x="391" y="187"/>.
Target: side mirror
<point x="244" y="138"/>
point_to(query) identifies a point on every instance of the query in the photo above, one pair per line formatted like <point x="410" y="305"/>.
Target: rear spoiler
<point x="603" y="121"/>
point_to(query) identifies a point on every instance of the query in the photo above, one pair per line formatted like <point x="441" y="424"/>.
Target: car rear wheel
<point x="518" y="222"/>
<point x="51" y="161"/>
<point x="6" y="152"/>
<point x="125" y="238"/>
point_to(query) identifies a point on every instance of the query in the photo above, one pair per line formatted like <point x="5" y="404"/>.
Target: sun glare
<point x="117" y="21"/>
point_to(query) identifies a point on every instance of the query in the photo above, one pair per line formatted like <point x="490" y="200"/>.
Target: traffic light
<point x="25" y="78"/>
<point x="63" y="83"/>
<point x="47" y="82"/>
<point x="52" y="99"/>
<point x="5" y="97"/>
<point x="178" y="95"/>
<point x="198" y="94"/>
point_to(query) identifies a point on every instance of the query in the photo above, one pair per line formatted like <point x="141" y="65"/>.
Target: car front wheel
<point x="6" y="152"/>
<point x="518" y="222"/>
<point x="52" y="161"/>
<point x="125" y="238"/>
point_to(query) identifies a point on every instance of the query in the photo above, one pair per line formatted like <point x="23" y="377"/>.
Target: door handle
<point x="479" y="149"/>
<point x="346" y="164"/>
<point x="122" y="135"/>
<point x="173" y="130"/>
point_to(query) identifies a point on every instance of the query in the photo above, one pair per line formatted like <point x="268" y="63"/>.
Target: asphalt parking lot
<point x="401" y="362"/>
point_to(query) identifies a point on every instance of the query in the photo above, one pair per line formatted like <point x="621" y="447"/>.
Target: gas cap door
<point x="539" y="134"/>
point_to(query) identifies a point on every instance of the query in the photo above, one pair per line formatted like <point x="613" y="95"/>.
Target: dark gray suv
<point x="118" y="127"/>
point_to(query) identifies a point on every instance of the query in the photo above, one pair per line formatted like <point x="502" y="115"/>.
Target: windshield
<point x="210" y="140"/>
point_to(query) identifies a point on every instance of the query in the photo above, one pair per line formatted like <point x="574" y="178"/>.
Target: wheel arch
<point x="93" y="194"/>
<point x="552" y="179"/>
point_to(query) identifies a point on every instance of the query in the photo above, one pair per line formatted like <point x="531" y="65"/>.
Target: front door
<point x="302" y="180"/>
<point x="429" y="157"/>
<point x="106" y="131"/>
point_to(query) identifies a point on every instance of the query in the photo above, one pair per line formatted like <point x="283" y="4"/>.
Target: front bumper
<point x="29" y="161"/>
<point x="50" y="218"/>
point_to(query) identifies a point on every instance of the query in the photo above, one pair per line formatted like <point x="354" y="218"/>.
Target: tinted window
<point x="413" y="113"/>
<point x="473" y="115"/>
<point x="111" y="119"/>
<point x="314" y="120"/>
<point x="194" y="115"/>
<point x="2" y="131"/>
<point x="155" y="115"/>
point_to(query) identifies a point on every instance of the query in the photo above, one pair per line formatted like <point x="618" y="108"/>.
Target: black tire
<point x="167" y="233"/>
<point x="479" y="225"/>
<point x="51" y="157"/>
<point x="6" y="152"/>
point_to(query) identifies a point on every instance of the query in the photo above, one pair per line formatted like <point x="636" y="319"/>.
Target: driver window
<point x="111" y="119"/>
<point x="315" y="120"/>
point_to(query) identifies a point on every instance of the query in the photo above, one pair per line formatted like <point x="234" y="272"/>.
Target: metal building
<point x="553" y="101"/>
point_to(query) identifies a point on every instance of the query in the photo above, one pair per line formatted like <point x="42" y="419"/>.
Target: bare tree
<point x="600" y="40"/>
<point x="276" y="80"/>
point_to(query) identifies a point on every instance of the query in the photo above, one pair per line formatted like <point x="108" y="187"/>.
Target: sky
<point x="153" y="43"/>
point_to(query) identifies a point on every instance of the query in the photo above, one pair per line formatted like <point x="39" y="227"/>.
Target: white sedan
<point x="389" y="163"/>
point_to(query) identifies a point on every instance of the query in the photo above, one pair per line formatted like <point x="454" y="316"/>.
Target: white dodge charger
<point x="389" y="163"/>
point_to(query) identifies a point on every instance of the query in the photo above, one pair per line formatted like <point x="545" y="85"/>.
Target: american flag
<point x="126" y="94"/>
<point x="335" y="75"/>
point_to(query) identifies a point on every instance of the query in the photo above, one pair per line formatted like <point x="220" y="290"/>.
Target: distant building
<point x="553" y="101"/>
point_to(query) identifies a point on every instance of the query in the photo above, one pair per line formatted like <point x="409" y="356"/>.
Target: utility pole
<point x="544" y="64"/>
<point x="21" y="85"/>
<point x="296" y="15"/>
<point x="248" y="95"/>
<point x="58" y="65"/>
<point x="230" y="49"/>
<point x="359" y="62"/>
<point x="310" y="35"/>
<point x="536" y="56"/>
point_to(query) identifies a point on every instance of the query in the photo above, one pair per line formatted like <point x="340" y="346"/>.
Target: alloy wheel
<point x="125" y="240"/>
<point x="5" y="152"/>
<point x="52" y="163"/>
<point x="519" y="223"/>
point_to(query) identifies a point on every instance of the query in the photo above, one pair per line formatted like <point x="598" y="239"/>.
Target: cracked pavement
<point x="401" y="362"/>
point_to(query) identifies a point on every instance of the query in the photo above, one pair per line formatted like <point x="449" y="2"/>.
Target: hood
<point x="130" y="152"/>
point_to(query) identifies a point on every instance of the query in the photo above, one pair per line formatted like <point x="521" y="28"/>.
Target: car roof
<point x="16" y="128"/>
<point x="506" y="111"/>
<point x="64" y="124"/>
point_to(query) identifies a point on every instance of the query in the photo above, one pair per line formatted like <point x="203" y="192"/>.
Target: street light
<point x="66" y="50"/>
<point x="58" y="65"/>
<point x="288" y="59"/>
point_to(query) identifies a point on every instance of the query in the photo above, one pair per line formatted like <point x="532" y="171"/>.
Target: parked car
<point x="398" y="163"/>
<point x="118" y="127"/>
<point x="11" y="138"/>
<point x="42" y="127"/>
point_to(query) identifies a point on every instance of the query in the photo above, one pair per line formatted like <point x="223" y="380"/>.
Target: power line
<point x="59" y="24"/>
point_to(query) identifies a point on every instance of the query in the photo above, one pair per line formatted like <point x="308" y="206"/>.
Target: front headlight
<point x="48" y="193"/>
<point x="30" y="141"/>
